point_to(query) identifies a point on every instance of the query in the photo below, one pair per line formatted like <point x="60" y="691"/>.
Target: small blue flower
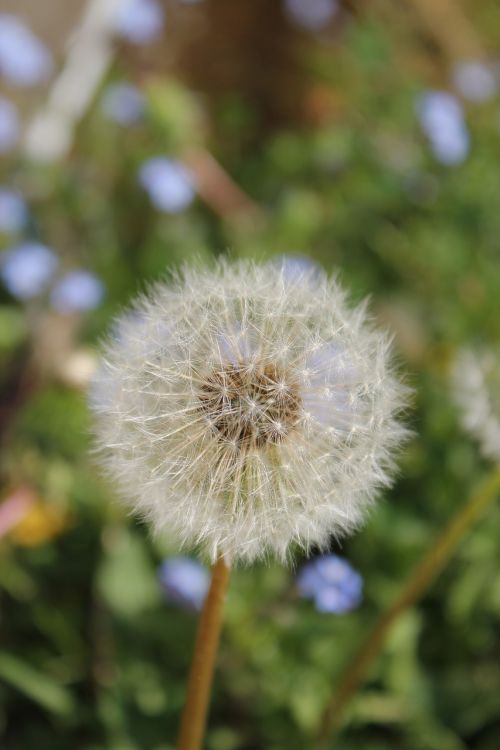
<point x="296" y="267"/>
<point x="311" y="14"/>
<point x="24" y="59"/>
<point x="9" y="125"/>
<point x="13" y="211"/>
<point x="442" y="119"/>
<point x="185" y="581"/>
<point x="169" y="184"/>
<point x="452" y="147"/>
<point x="27" y="269"/>
<point x="77" y="291"/>
<point x="474" y="81"/>
<point x="140" y="21"/>
<point x="123" y="103"/>
<point x="332" y="583"/>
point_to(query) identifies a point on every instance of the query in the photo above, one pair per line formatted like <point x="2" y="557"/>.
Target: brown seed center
<point x="250" y="407"/>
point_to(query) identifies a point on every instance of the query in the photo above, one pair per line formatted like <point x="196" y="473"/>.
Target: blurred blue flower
<point x="77" y="291"/>
<point x="123" y="103"/>
<point x="185" y="581"/>
<point x="295" y="267"/>
<point x="13" y="211"/>
<point x="27" y="269"/>
<point x="451" y="148"/>
<point x="24" y="59"/>
<point x="311" y="14"/>
<point x="140" y="21"/>
<point x="474" y="81"/>
<point x="9" y="125"/>
<point x="442" y="119"/>
<point x="332" y="583"/>
<point x="168" y="183"/>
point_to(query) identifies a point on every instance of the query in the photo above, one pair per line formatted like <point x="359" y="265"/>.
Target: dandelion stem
<point x="202" y="666"/>
<point x="419" y="581"/>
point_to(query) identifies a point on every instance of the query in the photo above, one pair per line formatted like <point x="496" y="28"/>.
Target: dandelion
<point x="476" y="383"/>
<point x="260" y="416"/>
<point x="185" y="581"/>
<point x="332" y="583"/>
<point x="247" y="413"/>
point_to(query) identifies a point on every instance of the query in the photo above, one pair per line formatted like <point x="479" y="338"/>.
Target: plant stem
<point x="202" y="666"/>
<point x="420" y="580"/>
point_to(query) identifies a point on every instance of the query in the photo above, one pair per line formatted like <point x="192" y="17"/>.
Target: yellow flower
<point x="40" y="524"/>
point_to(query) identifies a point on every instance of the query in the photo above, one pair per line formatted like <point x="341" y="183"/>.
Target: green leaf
<point x="36" y="685"/>
<point x="126" y="579"/>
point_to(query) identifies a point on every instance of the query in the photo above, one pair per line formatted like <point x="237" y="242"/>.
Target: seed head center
<point x="250" y="407"/>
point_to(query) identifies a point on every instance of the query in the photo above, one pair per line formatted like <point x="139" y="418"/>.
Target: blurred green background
<point x="363" y="135"/>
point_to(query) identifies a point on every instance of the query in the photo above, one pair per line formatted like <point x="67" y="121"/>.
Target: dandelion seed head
<point x="476" y="382"/>
<point x="245" y="414"/>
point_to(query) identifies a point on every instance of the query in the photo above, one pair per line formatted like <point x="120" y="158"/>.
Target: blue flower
<point x="13" y="211"/>
<point x="296" y="267"/>
<point x="27" y="269"/>
<point x="442" y="119"/>
<point x="140" y="21"/>
<point x="311" y="14"/>
<point x="332" y="583"/>
<point x="168" y="183"/>
<point x="9" y="125"/>
<point x="123" y="103"/>
<point x="24" y="59"/>
<point x="185" y="581"/>
<point x="474" y="81"/>
<point x="77" y="291"/>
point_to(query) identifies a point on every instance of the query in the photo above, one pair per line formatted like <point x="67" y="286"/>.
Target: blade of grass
<point x="419" y="581"/>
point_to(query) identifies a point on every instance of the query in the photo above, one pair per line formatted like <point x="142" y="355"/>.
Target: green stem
<point x="420" y="580"/>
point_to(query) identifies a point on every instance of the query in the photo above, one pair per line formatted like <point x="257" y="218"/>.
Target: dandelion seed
<point x="260" y="415"/>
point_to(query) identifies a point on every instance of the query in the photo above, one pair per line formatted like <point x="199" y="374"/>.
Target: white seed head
<point x="476" y="381"/>
<point x="246" y="410"/>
